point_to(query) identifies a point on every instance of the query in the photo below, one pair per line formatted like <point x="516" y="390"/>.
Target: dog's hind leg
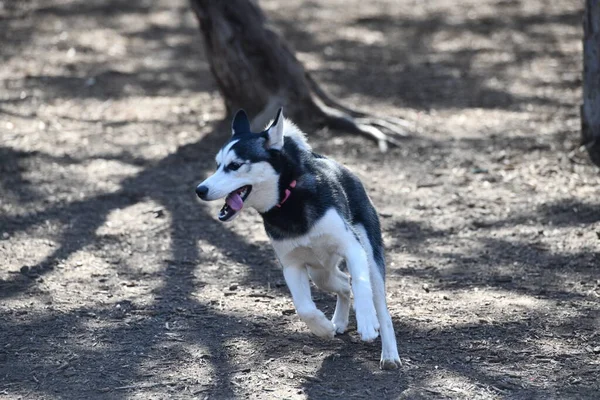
<point x="297" y="281"/>
<point x="367" y="323"/>
<point x="333" y="280"/>
<point x="389" y="349"/>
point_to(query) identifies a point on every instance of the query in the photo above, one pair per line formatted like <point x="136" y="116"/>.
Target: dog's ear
<point x="240" y="123"/>
<point x="275" y="132"/>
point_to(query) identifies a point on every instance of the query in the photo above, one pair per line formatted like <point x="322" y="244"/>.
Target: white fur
<point x="296" y="277"/>
<point x="293" y="132"/>
<point x="333" y="280"/>
<point x="265" y="187"/>
<point x="224" y="152"/>
<point x="276" y="134"/>
<point x="320" y="250"/>
<point x="389" y="348"/>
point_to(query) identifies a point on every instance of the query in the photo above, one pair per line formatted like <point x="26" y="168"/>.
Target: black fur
<point x="321" y="184"/>
<point x="240" y="122"/>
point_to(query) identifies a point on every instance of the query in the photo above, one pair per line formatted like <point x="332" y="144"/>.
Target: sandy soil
<point x="117" y="283"/>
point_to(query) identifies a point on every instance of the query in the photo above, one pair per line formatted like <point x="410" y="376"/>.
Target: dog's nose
<point x="202" y="191"/>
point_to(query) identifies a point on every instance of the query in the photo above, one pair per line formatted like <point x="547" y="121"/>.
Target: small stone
<point x="426" y="287"/>
<point x="234" y="286"/>
<point x="307" y="350"/>
<point x="24" y="269"/>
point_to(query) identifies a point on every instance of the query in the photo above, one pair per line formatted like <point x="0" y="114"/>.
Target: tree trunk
<point x="257" y="71"/>
<point x="590" y="111"/>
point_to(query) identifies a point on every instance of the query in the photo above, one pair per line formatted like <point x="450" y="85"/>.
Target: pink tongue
<point x="235" y="201"/>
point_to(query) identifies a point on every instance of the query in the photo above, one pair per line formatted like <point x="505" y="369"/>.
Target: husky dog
<point x="316" y="213"/>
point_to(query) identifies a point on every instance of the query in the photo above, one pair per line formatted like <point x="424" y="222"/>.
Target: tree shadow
<point x="98" y="78"/>
<point x="58" y="351"/>
<point x="521" y="265"/>
<point x="176" y="176"/>
<point x="479" y="357"/>
<point x="170" y="183"/>
<point x="407" y="68"/>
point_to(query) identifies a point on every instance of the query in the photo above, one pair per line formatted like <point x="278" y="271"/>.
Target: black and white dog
<point x="316" y="213"/>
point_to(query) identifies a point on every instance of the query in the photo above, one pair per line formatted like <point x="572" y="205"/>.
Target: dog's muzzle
<point x="202" y="191"/>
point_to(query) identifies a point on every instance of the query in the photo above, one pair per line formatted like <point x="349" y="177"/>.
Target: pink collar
<point x="288" y="192"/>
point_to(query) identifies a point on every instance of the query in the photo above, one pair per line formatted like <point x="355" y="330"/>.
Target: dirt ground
<point x="115" y="282"/>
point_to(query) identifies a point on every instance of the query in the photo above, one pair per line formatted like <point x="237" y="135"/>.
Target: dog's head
<point x="246" y="174"/>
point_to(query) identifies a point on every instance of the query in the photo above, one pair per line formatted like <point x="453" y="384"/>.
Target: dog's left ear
<point x="275" y="132"/>
<point x="240" y="123"/>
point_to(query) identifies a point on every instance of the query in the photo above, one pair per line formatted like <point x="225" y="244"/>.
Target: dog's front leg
<point x="366" y="318"/>
<point x="297" y="281"/>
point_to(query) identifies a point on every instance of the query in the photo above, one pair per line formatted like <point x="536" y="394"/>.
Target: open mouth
<point x="234" y="202"/>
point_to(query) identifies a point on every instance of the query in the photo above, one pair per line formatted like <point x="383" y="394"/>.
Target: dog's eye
<point x="234" y="166"/>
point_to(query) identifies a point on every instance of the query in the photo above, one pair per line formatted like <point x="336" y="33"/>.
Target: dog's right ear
<point x="275" y="132"/>
<point x="241" y="123"/>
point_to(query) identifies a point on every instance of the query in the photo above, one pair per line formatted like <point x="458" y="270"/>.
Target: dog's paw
<point x="340" y="326"/>
<point x="340" y="323"/>
<point x="389" y="353"/>
<point x="320" y="326"/>
<point x="390" y="363"/>
<point x="367" y="324"/>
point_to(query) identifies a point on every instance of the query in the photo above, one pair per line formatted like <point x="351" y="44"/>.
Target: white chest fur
<point x="328" y="238"/>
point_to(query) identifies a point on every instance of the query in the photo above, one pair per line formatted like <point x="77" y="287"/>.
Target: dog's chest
<point x="325" y="240"/>
<point x="315" y="253"/>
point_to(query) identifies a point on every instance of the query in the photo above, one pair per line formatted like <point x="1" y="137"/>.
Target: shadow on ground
<point x="418" y="74"/>
<point x="112" y="350"/>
